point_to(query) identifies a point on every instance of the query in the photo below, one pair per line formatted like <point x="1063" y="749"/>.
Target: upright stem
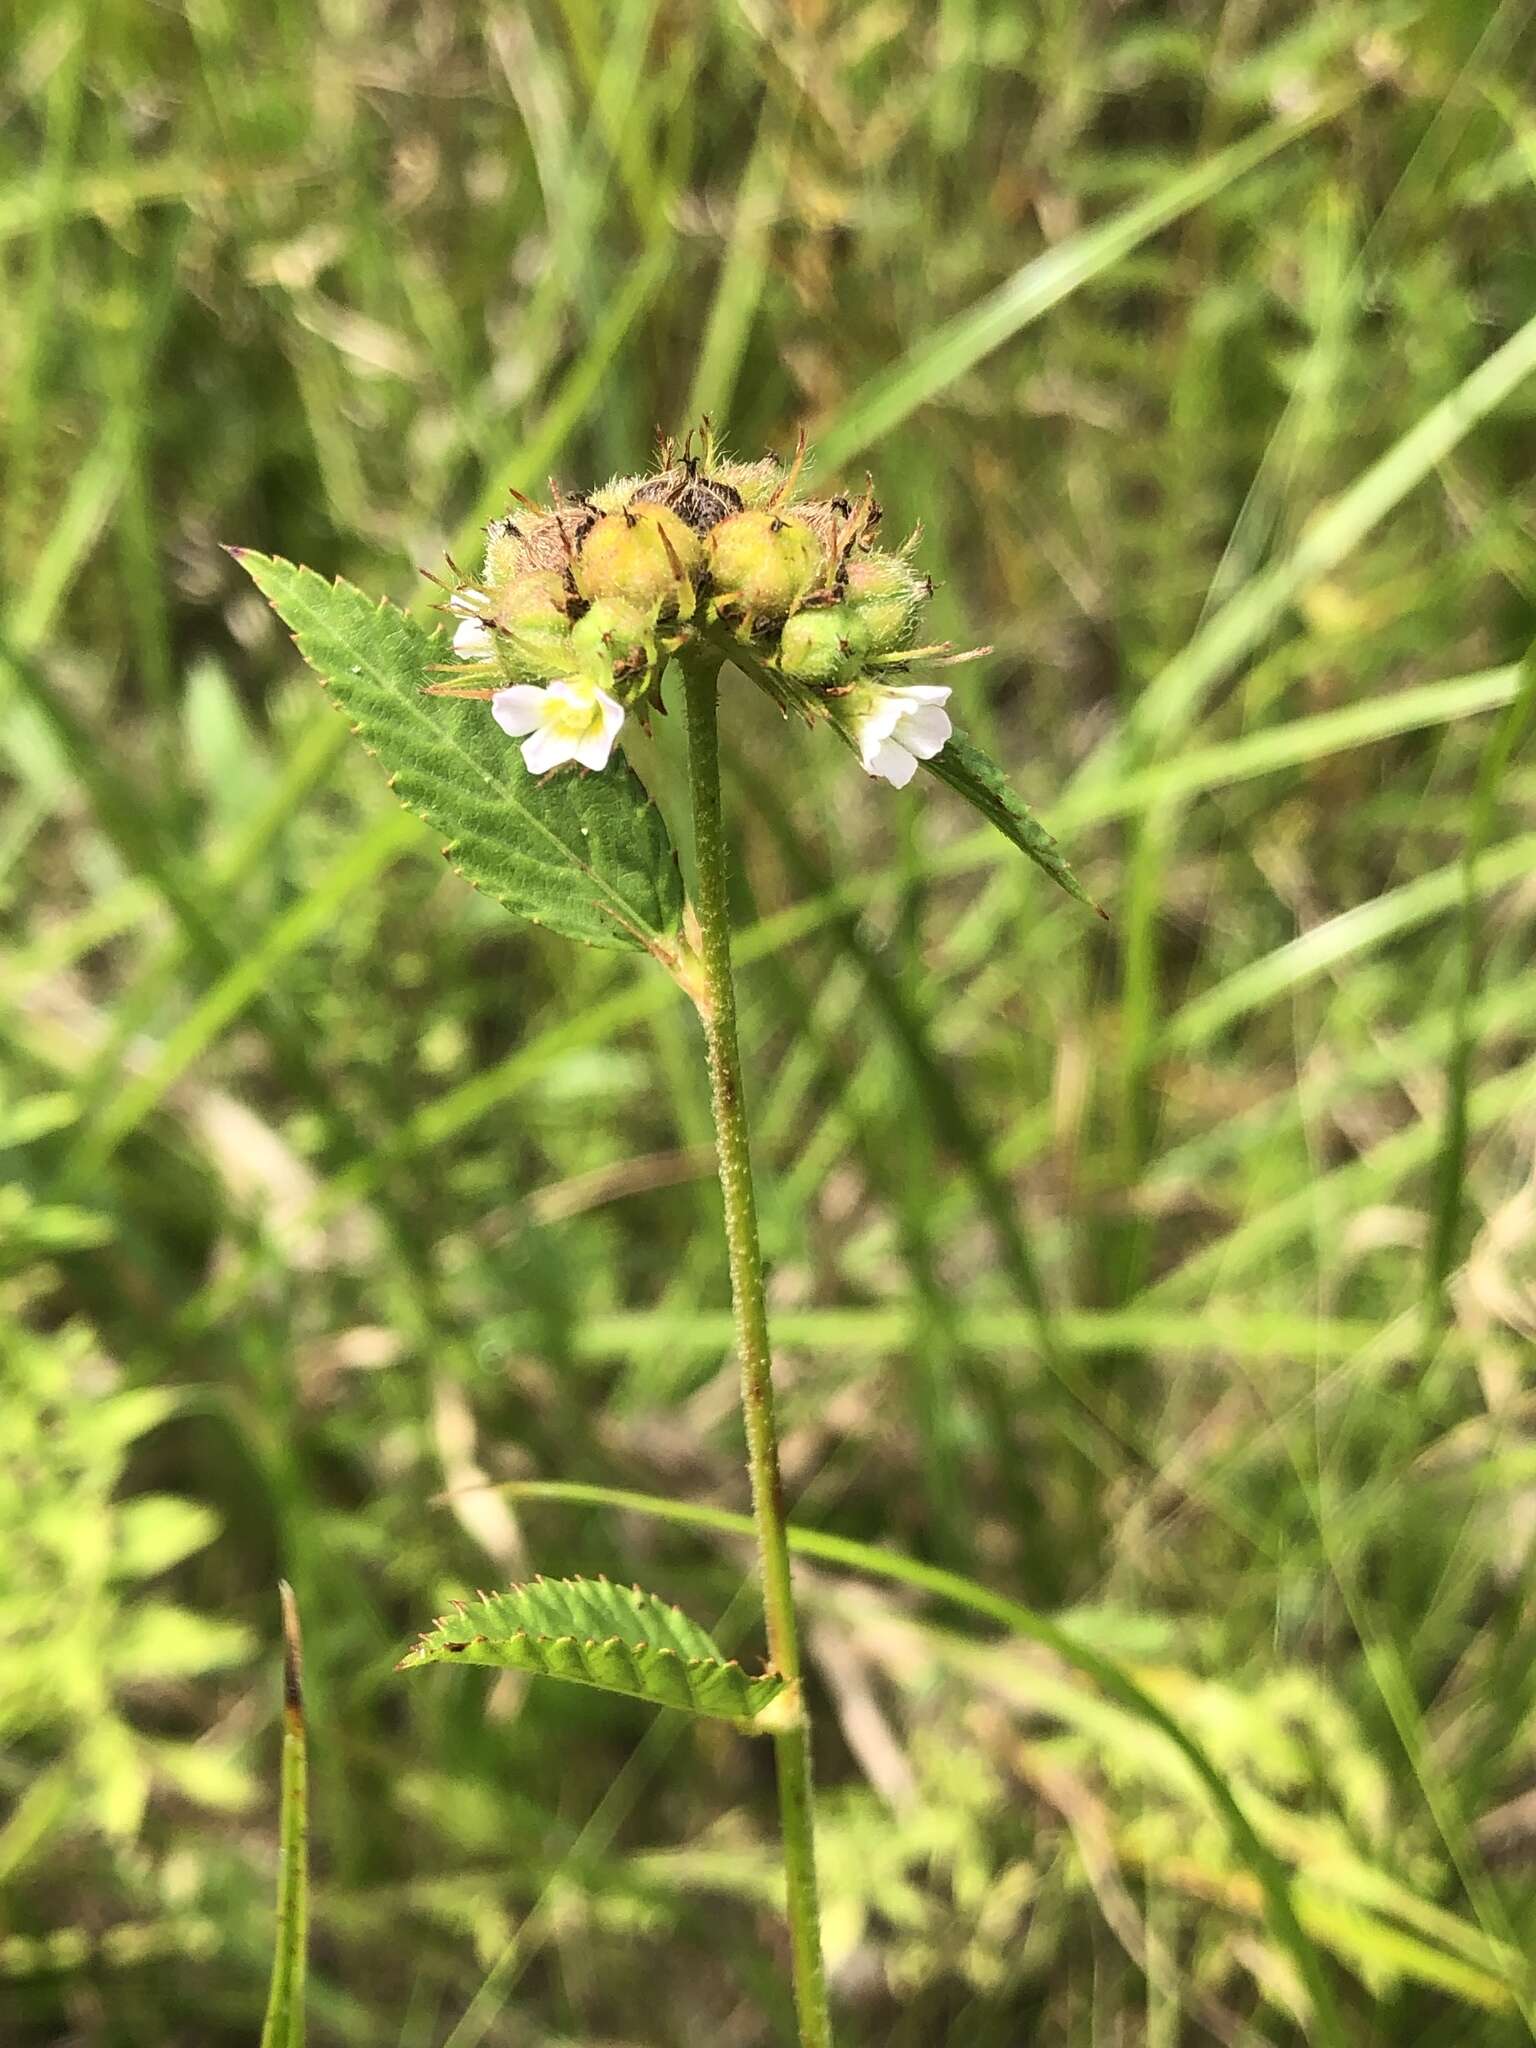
<point x="717" y="1008"/>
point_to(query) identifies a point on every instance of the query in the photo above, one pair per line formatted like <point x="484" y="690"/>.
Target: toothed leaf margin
<point x="618" y="1638"/>
<point x="586" y="855"/>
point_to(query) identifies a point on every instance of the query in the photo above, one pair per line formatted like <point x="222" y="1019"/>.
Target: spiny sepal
<point x="618" y="1638"/>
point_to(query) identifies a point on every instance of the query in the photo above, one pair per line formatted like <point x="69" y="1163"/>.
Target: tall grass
<point x="1170" y="1281"/>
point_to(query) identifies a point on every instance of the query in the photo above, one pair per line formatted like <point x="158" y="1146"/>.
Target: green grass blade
<point x="743" y="273"/>
<point x="1341" y="939"/>
<point x="1327" y="1203"/>
<point x="284" y="2025"/>
<point x="1297" y="743"/>
<point x="961" y="343"/>
<point x="1171" y="701"/>
<point x="1450" y="1167"/>
<point x="240" y="986"/>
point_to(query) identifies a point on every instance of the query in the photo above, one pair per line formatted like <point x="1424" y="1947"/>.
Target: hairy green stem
<point x="716" y="999"/>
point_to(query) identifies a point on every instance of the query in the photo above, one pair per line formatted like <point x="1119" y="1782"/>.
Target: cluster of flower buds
<point x="581" y="603"/>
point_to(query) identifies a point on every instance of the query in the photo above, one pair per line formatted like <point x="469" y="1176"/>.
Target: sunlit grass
<point x="1171" y="1281"/>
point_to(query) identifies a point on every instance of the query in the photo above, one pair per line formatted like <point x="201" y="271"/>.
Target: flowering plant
<point x="581" y="604"/>
<point x="566" y="634"/>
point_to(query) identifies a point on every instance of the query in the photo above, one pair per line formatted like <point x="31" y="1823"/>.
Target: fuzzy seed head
<point x="533" y="627"/>
<point x="612" y="637"/>
<point x="754" y="483"/>
<point x="618" y="491"/>
<point x="823" y="645"/>
<point x="887" y="594"/>
<point x="568" y="630"/>
<point x="699" y="501"/>
<point x="643" y="556"/>
<point x="763" y="565"/>
<point x="536" y="540"/>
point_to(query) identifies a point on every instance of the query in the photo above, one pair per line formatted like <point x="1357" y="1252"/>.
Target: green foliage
<point x="617" y="1638"/>
<point x="1170" y="332"/>
<point x="80" y="1635"/>
<point x="964" y="768"/>
<point x="588" y="856"/>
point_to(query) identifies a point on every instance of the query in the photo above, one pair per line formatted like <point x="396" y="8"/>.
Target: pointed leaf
<point x="973" y="775"/>
<point x="615" y="1637"/>
<point x="586" y="855"/>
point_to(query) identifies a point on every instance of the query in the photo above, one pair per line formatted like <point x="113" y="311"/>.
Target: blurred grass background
<point x="1175" y="1277"/>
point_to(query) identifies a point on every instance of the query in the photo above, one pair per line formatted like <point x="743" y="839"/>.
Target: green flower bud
<point x="763" y="565"/>
<point x="823" y="645"/>
<point x="643" y="556"/>
<point x="887" y="595"/>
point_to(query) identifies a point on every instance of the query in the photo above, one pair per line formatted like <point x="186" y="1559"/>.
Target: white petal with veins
<point x="571" y="720"/>
<point x="902" y="725"/>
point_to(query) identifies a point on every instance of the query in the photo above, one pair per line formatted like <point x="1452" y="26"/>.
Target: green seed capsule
<point x="887" y="595"/>
<point x="533" y="627"/>
<point x="612" y="636"/>
<point x="823" y="645"/>
<point x="763" y="565"/>
<point x="644" y="557"/>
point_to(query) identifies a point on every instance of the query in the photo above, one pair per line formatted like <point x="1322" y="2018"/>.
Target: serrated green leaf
<point x="617" y="1638"/>
<point x="586" y="855"/>
<point x="972" y="774"/>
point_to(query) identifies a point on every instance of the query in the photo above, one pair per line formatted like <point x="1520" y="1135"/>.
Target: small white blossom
<point x="472" y="640"/>
<point x="900" y="726"/>
<point x="572" y="720"/>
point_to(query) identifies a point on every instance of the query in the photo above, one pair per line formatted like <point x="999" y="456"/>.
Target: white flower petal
<point x="593" y="751"/>
<point x="472" y="640"/>
<point x="924" y="730"/>
<point x="544" y="750"/>
<point x="881" y="719"/>
<point x="923" y="693"/>
<point x="519" y="710"/>
<point x="893" y="763"/>
<point x="469" y="602"/>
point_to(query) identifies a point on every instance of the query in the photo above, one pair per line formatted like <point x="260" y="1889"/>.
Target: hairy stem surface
<point x="716" y="1000"/>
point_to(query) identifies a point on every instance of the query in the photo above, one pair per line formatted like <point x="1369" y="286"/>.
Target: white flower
<point x="572" y="720"/>
<point x="901" y="726"/>
<point x="472" y="639"/>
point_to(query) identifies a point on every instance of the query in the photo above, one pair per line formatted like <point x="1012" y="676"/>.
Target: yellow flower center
<point x="569" y="719"/>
